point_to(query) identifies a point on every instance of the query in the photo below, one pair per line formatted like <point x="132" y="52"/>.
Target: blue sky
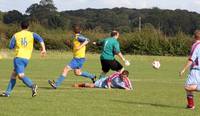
<point x="22" y="5"/>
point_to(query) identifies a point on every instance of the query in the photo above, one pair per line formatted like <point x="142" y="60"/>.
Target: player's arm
<point x="120" y="55"/>
<point x="12" y="42"/>
<point x="68" y="43"/>
<point x="41" y="41"/>
<point x="191" y="59"/>
<point x="83" y="40"/>
<point x="98" y="43"/>
<point x="130" y="84"/>
<point x="109" y="80"/>
<point x="187" y="65"/>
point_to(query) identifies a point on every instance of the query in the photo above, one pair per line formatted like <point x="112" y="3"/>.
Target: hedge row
<point x="147" y="42"/>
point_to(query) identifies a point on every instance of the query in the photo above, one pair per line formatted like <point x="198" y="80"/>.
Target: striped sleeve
<point x="194" y="52"/>
<point x="111" y="77"/>
<point x="128" y="83"/>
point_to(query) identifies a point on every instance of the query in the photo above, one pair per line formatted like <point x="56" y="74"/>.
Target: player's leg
<point x="20" y="65"/>
<point x="191" y="85"/>
<point x="116" y="66"/>
<point x="190" y="97"/>
<point x="87" y="85"/>
<point x="11" y="85"/>
<point x="61" y="78"/>
<point x="78" y="72"/>
<point x="105" y="67"/>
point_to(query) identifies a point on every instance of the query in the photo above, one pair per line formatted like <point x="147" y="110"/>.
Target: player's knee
<point x="66" y="70"/>
<point x="190" y="88"/>
<point x="20" y="76"/>
<point x="77" y="73"/>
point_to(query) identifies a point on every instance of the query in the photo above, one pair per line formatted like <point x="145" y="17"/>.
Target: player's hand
<point x="127" y="63"/>
<point x="181" y="73"/>
<point x="43" y="53"/>
<point x="68" y="43"/>
<point x="94" y="43"/>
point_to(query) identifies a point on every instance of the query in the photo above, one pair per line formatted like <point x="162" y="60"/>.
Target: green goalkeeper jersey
<point x="110" y="48"/>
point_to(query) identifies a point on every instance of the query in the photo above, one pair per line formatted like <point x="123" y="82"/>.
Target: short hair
<point x="197" y="34"/>
<point x="114" y="33"/>
<point x="76" y="29"/>
<point x="125" y="72"/>
<point x="24" y="24"/>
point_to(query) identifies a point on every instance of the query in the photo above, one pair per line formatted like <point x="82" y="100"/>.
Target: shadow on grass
<point x="149" y="104"/>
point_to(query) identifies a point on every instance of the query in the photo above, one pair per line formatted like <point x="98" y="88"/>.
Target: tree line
<point x="123" y="19"/>
<point x="162" y="32"/>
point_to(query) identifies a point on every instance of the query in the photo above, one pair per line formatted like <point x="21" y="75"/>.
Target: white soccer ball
<point x="156" y="64"/>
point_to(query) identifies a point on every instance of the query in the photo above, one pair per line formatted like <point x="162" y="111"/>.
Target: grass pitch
<point x="156" y="92"/>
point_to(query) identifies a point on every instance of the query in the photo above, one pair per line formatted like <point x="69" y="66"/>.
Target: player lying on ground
<point x="110" y="47"/>
<point x="23" y="42"/>
<point x="193" y="81"/>
<point x="116" y="80"/>
<point x="76" y="64"/>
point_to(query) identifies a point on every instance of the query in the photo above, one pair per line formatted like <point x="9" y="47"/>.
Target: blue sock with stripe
<point x="59" y="81"/>
<point x="27" y="81"/>
<point x="11" y="85"/>
<point x="87" y="75"/>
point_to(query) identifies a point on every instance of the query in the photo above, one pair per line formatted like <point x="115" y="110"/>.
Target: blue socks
<point x="27" y="81"/>
<point x="87" y="75"/>
<point x="59" y="80"/>
<point x="10" y="86"/>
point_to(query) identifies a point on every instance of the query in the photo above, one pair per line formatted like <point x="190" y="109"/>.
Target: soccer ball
<point x="156" y="64"/>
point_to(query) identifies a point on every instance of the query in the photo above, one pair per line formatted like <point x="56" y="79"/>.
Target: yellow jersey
<point x="23" y="42"/>
<point x="77" y="41"/>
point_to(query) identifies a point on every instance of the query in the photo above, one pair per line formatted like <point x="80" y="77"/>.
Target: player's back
<point x="24" y="44"/>
<point x="108" y="51"/>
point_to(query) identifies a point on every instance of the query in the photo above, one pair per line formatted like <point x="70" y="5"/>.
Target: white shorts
<point x="193" y="78"/>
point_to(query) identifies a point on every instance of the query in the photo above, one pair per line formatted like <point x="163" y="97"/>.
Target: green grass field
<point x="156" y="92"/>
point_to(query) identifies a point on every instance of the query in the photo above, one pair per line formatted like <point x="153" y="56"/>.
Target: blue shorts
<point x="101" y="83"/>
<point x="76" y="63"/>
<point x="20" y="65"/>
<point x="193" y="78"/>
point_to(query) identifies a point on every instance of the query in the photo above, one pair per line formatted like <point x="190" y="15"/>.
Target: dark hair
<point x="114" y="33"/>
<point x="125" y="72"/>
<point x="24" y="24"/>
<point x="197" y="34"/>
<point x="76" y="29"/>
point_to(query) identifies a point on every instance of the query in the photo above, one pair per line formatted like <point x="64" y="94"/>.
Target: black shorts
<point x="110" y="64"/>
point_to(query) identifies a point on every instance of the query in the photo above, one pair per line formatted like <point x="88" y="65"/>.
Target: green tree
<point x="13" y="16"/>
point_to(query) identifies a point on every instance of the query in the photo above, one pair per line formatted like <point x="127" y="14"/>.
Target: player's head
<point x="115" y="34"/>
<point x="24" y="24"/>
<point x="124" y="74"/>
<point x="76" y="29"/>
<point x="197" y="34"/>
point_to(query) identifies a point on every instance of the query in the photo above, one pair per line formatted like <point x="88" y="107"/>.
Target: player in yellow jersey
<point x="22" y="42"/>
<point x="79" y="49"/>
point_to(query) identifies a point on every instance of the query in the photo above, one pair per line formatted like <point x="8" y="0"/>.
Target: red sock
<point x="190" y="101"/>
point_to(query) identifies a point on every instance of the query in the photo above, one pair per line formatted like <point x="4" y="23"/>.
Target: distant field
<point x="156" y="92"/>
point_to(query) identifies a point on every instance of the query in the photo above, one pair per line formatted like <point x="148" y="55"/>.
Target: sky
<point x="62" y="5"/>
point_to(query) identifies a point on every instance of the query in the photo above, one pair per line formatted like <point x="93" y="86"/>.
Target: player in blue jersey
<point x="76" y="64"/>
<point x="116" y="80"/>
<point x="23" y="42"/>
<point x="193" y="81"/>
